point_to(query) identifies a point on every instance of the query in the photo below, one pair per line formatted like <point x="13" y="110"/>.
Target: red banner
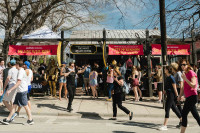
<point x="172" y="49"/>
<point x="33" y="50"/>
<point x="125" y="50"/>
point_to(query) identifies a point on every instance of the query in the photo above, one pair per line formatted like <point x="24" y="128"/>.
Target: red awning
<point x="33" y="50"/>
<point x="172" y="49"/>
<point x="125" y="50"/>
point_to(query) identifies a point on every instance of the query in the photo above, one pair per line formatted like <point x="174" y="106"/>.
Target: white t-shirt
<point x="23" y="77"/>
<point x="12" y="73"/>
<point x="29" y="77"/>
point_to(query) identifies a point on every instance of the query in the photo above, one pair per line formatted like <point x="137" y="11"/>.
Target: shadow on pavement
<point x="140" y="103"/>
<point x="122" y="132"/>
<point x="44" y="98"/>
<point x="138" y="124"/>
<point x="90" y="115"/>
<point x="52" y="106"/>
<point x="87" y="98"/>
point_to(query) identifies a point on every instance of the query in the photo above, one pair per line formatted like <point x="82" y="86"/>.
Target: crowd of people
<point x="181" y="85"/>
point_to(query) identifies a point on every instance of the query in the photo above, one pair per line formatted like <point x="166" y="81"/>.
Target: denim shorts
<point x="21" y="99"/>
<point x="62" y="80"/>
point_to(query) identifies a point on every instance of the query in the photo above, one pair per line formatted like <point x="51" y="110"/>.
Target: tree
<point x="182" y="16"/>
<point x="19" y="17"/>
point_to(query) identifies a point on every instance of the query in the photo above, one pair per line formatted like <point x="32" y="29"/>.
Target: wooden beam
<point x="99" y="39"/>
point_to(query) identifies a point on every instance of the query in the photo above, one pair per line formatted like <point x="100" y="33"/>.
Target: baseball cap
<point x="27" y="64"/>
<point x="159" y="64"/>
<point x="64" y="63"/>
<point x="13" y="62"/>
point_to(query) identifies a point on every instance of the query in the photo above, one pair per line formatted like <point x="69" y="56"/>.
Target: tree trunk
<point x="6" y="45"/>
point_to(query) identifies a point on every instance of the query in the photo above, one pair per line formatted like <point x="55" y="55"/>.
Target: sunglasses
<point x="183" y="64"/>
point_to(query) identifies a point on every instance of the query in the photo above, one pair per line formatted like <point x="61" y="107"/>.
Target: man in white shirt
<point x="21" y="97"/>
<point x="11" y="80"/>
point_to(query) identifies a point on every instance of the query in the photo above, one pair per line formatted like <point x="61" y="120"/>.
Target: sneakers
<point x="158" y="101"/>
<point x="179" y="125"/>
<point x="6" y="122"/>
<point x="113" y="118"/>
<point x="14" y="115"/>
<point x="69" y="109"/>
<point x="130" y="117"/>
<point x="163" y="128"/>
<point x="30" y="122"/>
<point x="109" y="99"/>
<point x="140" y="99"/>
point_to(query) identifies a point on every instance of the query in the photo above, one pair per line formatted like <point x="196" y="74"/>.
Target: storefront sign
<point x="171" y="49"/>
<point x="33" y="50"/>
<point x="125" y="50"/>
<point x="83" y="49"/>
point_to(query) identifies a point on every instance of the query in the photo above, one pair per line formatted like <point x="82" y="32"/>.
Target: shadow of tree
<point x="142" y="124"/>
<point x="51" y="106"/>
<point x="90" y="115"/>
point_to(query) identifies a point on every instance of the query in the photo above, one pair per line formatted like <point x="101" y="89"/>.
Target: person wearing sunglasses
<point x="190" y="92"/>
<point x="71" y="84"/>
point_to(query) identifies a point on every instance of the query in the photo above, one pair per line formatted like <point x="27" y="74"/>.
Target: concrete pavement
<point x="86" y="106"/>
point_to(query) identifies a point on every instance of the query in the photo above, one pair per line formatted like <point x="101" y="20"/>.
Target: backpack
<point x="129" y="63"/>
<point x="125" y="88"/>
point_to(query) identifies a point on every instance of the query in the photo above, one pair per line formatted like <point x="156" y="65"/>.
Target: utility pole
<point x="62" y="46"/>
<point x="149" y="63"/>
<point x="163" y="40"/>
<point x="194" y="55"/>
<point x="104" y="47"/>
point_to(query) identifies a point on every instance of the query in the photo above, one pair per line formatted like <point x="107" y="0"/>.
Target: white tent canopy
<point x="43" y="32"/>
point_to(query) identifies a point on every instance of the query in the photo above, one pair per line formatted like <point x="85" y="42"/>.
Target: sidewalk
<point x="85" y="106"/>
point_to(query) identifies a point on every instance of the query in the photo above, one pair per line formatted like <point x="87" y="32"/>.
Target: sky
<point x="133" y="15"/>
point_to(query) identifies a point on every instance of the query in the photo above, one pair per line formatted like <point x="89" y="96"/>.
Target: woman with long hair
<point x="172" y="95"/>
<point x="135" y="82"/>
<point x="110" y="80"/>
<point x="63" y="80"/>
<point x="179" y="81"/>
<point x="93" y="82"/>
<point x="190" y="92"/>
<point x="140" y="83"/>
<point x="117" y="96"/>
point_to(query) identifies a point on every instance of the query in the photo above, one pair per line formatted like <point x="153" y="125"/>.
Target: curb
<point x="92" y="115"/>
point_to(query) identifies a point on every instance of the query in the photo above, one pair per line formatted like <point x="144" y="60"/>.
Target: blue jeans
<point x="110" y="88"/>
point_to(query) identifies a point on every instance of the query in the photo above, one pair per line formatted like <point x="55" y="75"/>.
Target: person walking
<point x="29" y="74"/>
<point x="21" y="97"/>
<point x="179" y="81"/>
<point x="110" y="80"/>
<point x="11" y="80"/>
<point x="172" y="95"/>
<point x="63" y="80"/>
<point x="117" y="97"/>
<point x="93" y="82"/>
<point x="190" y="92"/>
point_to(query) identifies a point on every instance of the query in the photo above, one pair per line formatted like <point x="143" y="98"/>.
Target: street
<point x="84" y="124"/>
<point x="91" y="116"/>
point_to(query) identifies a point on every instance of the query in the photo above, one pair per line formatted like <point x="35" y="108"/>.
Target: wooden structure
<point x="102" y="38"/>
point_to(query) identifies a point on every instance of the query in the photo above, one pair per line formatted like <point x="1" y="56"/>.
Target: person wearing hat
<point x="29" y="74"/>
<point x="11" y="80"/>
